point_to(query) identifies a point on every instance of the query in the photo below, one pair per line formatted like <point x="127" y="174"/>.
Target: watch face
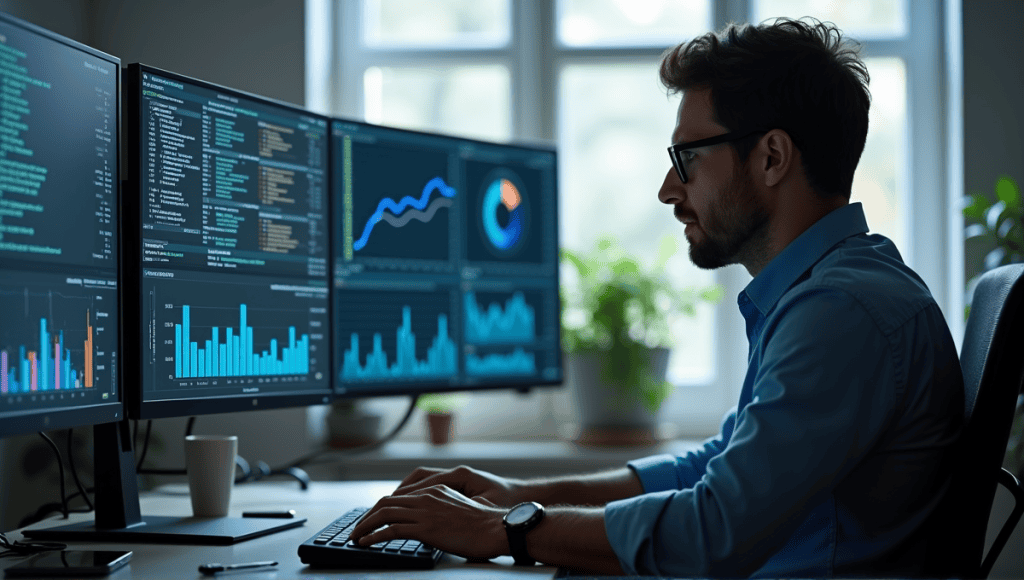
<point x="521" y="514"/>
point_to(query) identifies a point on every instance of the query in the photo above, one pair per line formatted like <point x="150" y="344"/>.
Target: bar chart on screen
<point x="242" y="331"/>
<point x="69" y="345"/>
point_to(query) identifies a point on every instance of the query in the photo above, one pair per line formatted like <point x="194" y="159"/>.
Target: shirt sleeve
<point x="665" y="471"/>
<point x="823" y="393"/>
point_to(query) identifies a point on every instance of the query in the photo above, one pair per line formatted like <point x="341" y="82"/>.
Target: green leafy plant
<point x="621" y="309"/>
<point x="439" y="402"/>
<point x="1000" y="223"/>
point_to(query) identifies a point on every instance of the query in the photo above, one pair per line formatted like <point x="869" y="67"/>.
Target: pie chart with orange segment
<point x="504" y="215"/>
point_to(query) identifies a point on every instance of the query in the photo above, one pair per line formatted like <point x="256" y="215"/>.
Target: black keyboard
<point x="331" y="548"/>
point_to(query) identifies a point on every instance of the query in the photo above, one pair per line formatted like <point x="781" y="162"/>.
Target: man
<point x="836" y="456"/>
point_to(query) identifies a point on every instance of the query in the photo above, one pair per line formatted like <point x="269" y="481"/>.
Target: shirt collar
<point x="771" y="283"/>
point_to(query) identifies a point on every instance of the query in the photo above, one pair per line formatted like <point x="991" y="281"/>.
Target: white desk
<point x="321" y="504"/>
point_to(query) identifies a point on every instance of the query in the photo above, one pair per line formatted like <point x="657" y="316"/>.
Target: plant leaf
<point x="994" y="259"/>
<point x="974" y="231"/>
<point x="666" y="249"/>
<point x="993" y="214"/>
<point x="975" y="207"/>
<point x="1008" y="192"/>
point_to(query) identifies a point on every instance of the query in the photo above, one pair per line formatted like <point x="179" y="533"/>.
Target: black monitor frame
<point x="523" y="385"/>
<point x="45" y="419"/>
<point x="135" y="405"/>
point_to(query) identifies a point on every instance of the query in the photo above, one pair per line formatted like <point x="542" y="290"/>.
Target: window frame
<point x="336" y="59"/>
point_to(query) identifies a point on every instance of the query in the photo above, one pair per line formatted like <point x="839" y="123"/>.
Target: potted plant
<point x="1000" y="224"/>
<point x="440" y="410"/>
<point x="616" y="329"/>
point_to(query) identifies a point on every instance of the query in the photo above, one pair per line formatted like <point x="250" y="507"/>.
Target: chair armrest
<point x="1007" y="480"/>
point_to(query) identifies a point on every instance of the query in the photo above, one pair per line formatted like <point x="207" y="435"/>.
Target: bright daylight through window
<point x="584" y="75"/>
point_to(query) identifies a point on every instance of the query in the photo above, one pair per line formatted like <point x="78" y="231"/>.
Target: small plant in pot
<point x="616" y="330"/>
<point x="440" y="410"/>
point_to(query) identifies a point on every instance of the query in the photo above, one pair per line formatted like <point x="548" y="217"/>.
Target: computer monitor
<point x="228" y="254"/>
<point x="445" y="263"/>
<point x="226" y="278"/>
<point x="59" y="126"/>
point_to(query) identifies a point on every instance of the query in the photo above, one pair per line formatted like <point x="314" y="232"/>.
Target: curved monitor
<point x="227" y="253"/>
<point x="59" y="127"/>
<point x="445" y="263"/>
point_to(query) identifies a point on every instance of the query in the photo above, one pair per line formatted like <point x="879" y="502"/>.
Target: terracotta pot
<point x="440" y="428"/>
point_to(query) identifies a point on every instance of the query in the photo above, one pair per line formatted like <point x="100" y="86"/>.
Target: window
<point x="583" y="74"/>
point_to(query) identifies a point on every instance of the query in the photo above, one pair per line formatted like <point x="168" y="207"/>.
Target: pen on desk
<point x="285" y="514"/>
<point x="211" y="569"/>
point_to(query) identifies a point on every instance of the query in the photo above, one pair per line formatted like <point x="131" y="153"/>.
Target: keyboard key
<point x="394" y="545"/>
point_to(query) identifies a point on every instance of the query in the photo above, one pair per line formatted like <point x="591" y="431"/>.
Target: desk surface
<point x="323" y="502"/>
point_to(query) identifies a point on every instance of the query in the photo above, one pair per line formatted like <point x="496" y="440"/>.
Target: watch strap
<point x="517" y="545"/>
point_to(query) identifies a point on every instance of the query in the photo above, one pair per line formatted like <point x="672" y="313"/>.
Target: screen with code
<point x="446" y="262"/>
<point x="58" y="230"/>
<point x="233" y="235"/>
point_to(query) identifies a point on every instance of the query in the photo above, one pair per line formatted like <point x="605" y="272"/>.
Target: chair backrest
<point x="992" y="359"/>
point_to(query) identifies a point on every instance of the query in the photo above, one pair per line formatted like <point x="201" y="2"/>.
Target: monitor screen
<point x="59" y="127"/>
<point x="445" y="263"/>
<point x="229" y="249"/>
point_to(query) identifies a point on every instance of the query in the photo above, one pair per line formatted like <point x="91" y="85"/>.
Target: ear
<point x="778" y="153"/>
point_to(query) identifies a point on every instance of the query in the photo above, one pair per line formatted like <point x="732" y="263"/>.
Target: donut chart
<point x="503" y="201"/>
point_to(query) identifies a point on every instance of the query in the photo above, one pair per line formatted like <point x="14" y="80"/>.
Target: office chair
<point x="992" y="359"/>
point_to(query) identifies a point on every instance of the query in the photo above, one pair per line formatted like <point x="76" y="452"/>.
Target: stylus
<point x="211" y="569"/>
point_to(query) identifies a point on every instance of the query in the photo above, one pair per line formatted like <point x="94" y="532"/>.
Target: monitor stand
<point x="119" y="518"/>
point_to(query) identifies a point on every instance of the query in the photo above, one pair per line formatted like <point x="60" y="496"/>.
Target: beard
<point x="736" y="220"/>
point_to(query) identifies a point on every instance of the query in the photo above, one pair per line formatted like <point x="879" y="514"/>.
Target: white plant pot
<point x="603" y="414"/>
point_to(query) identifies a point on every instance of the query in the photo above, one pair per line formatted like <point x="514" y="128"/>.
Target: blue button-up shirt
<point x="832" y="458"/>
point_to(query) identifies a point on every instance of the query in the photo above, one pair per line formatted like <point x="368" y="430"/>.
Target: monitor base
<point x="170" y="530"/>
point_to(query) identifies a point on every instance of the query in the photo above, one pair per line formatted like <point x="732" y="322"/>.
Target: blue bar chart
<point x="236" y="332"/>
<point x="495" y="324"/>
<point x="235" y="355"/>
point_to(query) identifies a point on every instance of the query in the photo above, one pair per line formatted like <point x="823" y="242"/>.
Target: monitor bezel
<point x="49" y="418"/>
<point x="442" y="386"/>
<point x="135" y="405"/>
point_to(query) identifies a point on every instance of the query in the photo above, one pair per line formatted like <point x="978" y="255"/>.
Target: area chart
<point x="421" y="210"/>
<point x="440" y="357"/>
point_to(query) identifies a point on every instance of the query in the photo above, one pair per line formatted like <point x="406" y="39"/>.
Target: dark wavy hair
<point x="801" y="77"/>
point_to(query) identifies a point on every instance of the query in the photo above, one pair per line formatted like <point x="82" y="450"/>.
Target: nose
<point x="671" y="191"/>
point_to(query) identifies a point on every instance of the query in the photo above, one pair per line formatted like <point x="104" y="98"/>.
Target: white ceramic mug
<point x="210" y="462"/>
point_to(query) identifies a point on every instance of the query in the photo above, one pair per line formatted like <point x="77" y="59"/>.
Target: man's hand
<point x="439" y="516"/>
<point x="469" y="482"/>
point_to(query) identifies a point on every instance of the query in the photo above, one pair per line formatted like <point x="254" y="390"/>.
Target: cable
<point x="145" y="445"/>
<point x="74" y="473"/>
<point x="60" y="466"/>
<point x="22" y="548"/>
<point x="309" y="459"/>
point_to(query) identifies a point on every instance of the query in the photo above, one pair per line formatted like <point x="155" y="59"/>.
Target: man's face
<point x="724" y="217"/>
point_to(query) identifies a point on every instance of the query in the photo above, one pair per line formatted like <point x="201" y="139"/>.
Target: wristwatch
<point x="519" y="520"/>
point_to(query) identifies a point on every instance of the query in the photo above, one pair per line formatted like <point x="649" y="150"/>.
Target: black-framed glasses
<point x="675" y="152"/>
